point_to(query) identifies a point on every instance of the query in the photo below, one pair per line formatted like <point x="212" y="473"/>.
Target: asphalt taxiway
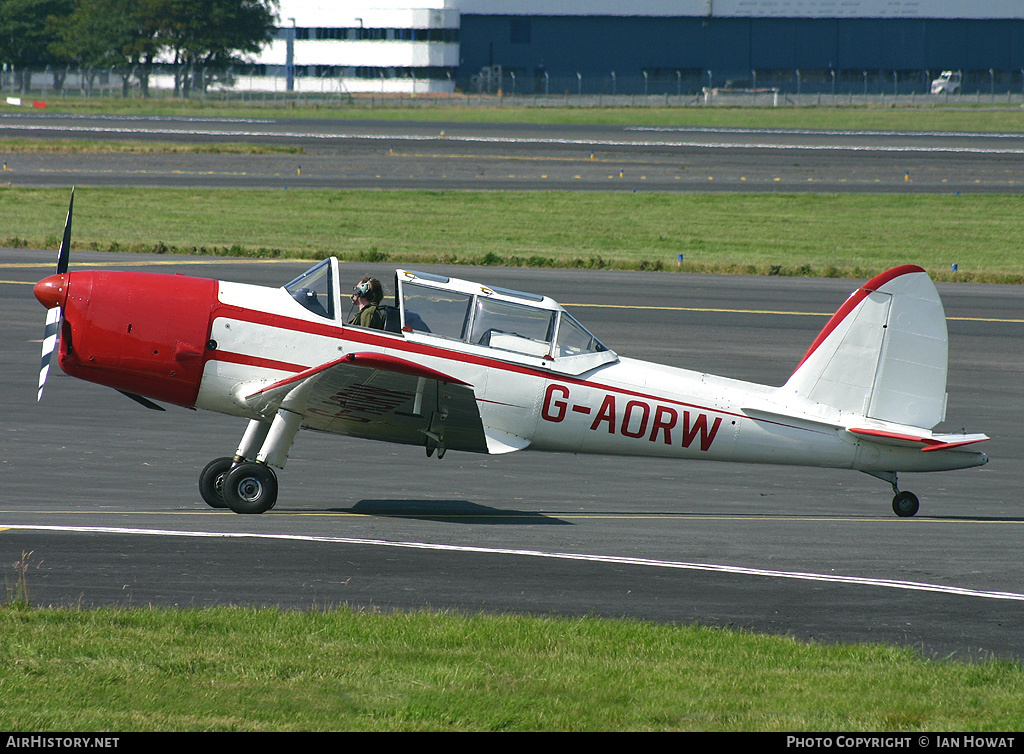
<point x="365" y="154"/>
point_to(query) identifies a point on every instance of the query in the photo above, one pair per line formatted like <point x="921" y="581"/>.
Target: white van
<point x="948" y="82"/>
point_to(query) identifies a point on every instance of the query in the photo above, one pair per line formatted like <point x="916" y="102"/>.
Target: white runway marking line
<point x="518" y="140"/>
<point x="826" y="132"/>
<point x="913" y="586"/>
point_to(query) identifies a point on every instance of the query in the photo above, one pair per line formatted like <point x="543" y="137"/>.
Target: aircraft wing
<point x="380" y="397"/>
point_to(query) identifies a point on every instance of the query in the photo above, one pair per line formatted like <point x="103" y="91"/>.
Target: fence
<point x="763" y="88"/>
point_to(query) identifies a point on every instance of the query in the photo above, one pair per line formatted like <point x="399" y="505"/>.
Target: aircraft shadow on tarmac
<point x="450" y="511"/>
<point x="466" y="512"/>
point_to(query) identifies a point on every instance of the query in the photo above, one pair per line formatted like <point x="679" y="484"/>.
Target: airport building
<point x="643" y="46"/>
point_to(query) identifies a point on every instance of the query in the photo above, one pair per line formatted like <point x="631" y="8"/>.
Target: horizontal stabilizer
<point x="927" y="443"/>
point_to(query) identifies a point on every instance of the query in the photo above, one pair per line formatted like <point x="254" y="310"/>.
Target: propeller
<point x="53" y="315"/>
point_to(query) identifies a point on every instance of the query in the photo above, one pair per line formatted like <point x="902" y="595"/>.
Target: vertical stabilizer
<point x="884" y="353"/>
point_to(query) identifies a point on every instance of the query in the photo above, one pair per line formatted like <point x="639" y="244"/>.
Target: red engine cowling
<point x="140" y="332"/>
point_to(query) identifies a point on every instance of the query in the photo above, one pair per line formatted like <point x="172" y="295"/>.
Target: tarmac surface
<point x="103" y="493"/>
<point x="426" y="155"/>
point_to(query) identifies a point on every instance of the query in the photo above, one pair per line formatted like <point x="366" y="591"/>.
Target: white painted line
<point x="517" y="140"/>
<point x="913" y="586"/>
<point x="828" y="132"/>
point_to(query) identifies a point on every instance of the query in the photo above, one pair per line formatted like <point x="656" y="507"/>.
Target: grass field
<point x="922" y="115"/>
<point x="235" y="669"/>
<point x="19" y="145"/>
<point x="841" y="235"/>
<point x="836" y="235"/>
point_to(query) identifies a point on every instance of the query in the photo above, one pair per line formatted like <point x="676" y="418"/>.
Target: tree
<point x="132" y="37"/>
<point x="28" y="32"/>
<point x="146" y="44"/>
<point x="100" y="34"/>
<point x="207" y="36"/>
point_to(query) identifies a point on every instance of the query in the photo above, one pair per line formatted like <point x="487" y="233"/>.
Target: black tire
<point x="905" y="504"/>
<point x="250" y="488"/>
<point x="211" y="481"/>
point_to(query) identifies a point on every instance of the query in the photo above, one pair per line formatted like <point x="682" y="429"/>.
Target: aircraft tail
<point x="883" y="355"/>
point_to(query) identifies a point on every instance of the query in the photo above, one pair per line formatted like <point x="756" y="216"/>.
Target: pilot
<point x="367" y="295"/>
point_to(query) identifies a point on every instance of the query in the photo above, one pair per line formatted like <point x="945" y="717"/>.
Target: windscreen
<point x="314" y="289"/>
<point x="574" y="339"/>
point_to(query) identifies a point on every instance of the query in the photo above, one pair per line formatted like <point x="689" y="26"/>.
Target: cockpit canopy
<point x="315" y="288"/>
<point x="494" y="317"/>
<point x="513" y="325"/>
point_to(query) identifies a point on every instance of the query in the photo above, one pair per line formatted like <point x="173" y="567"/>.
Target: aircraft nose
<point x="52" y="291"/>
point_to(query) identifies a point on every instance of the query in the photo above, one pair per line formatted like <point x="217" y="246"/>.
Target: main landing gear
<point x="250" y="486"/>
<point x="904" y="504"/>
<point x="243" y="486"/>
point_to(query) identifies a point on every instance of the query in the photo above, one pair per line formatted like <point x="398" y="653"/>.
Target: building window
<point x="447" y="36"/>
<point x="420" y="73"/>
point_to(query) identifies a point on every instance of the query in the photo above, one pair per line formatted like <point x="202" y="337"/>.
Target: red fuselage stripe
<point x="397" y="342"/>
<point x="255" y="361"/>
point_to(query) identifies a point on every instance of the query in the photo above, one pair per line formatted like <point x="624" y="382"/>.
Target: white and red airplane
<point x="464" y="366"/>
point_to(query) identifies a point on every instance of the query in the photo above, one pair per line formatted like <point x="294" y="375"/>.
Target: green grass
<point x="237" y="669"/>
<point x="844" y="235"/>
<point x="968" y="119"/>
<point x="919" y="114"/>
<point x="78" y="146"/>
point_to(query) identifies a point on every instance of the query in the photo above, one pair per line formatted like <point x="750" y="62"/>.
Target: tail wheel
<point x="211" y="481"/>
<point x="250" y="488"/>
<point x="905" y="504"/>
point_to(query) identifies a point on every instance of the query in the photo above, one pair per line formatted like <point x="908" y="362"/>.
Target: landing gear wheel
<point x="250" y="488"/>
<point x="211" y="481"/>
<point x="905" y="504"/>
